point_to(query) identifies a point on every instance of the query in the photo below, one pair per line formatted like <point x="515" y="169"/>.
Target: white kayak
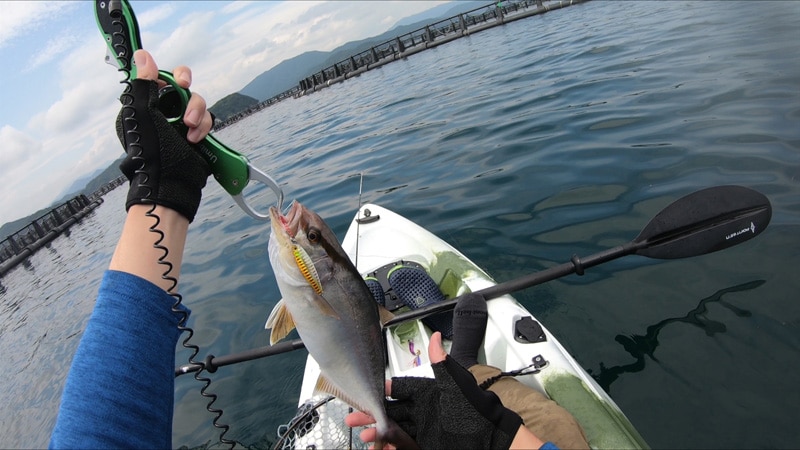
<point x="378" y="238"/>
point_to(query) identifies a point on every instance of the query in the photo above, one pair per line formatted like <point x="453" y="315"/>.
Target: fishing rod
<point x="705" y="221"/>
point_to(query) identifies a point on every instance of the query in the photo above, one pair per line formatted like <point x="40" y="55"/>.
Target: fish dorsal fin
<point x="326" y="386"/>
<point x="280" y="321"/>
<point x="385" y="314"/>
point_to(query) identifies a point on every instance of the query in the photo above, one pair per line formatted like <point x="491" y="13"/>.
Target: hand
<point x="163" y="167"/>
<point x="450" y="411"/>
<point x="196" y="117"/>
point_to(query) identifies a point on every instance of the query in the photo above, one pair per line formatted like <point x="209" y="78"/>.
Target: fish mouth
<point x="288" y="223"/>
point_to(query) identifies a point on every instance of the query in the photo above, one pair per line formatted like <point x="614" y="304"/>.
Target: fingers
<point x="183" y="75"/>
<point x="370" y="434"/>
<point x="358" y="419"/>
<point x="146" y="68"/>
<point x="436" y="351"/>
<point x="197" y="118"/>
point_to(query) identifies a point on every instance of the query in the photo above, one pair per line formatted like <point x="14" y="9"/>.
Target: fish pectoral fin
<point x="326" y="386"/>
<point x="385" y="314"/>
<point x="280" y="321"/>
<point x="325" y="307"/>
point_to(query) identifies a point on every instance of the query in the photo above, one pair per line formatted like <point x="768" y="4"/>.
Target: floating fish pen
<point x="430" y="36"/>
<point x="403" y="46"/>
<point x="291" y="93"/>
<point x="19" y="246"/>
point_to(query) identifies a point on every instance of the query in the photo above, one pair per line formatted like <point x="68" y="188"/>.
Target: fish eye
<point x="313" y="235"/>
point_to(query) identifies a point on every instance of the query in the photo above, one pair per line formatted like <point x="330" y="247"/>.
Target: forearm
<point x="119" y="392"/>
<point x="136" y="251"/>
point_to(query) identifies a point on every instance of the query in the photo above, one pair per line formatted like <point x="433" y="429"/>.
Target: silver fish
<point x="326" y="299"/>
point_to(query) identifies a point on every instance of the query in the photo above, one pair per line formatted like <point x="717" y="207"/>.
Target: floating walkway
<point x="25" y="242"/>
<point x="403" y="46"/>
<point x="430" y="36"/>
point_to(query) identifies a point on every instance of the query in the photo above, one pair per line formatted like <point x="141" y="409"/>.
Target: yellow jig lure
<point x="306" y="267"/>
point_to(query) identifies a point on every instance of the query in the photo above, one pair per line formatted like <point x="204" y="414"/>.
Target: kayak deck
<point x="382" y="237"/>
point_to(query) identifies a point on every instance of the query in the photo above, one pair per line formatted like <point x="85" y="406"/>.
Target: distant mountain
<point x="84" y="185"/>
<point x="284" y="76"/>
<point x="349" y="49"/>
<point x="80" y="183"/>
<point x="231" y="105"/>
<point x="439" y="12"/>
<point x="88" y="184"/>
<point x="464" y="6"/>
<point x="110" y="173"/>
<point x="288" y="73"/>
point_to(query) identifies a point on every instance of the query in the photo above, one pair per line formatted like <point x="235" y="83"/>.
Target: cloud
<point x="87" y="86"/>
<point x="229" y="47"/>
<point x="19" y="151"/>
<point x="188" y="44"/>
<point x="55" y="47"/>
<point x="237" y="6"/>
<point x="69" y="112"/>
<point x="22" y="17"/>
<point x="103" y="145"/>
<point x="73" y="136"/>
<point x="253" y="41"/>
<point x="37" y="171"/>
<point x="152" y="17"/>
<point x="17" y="147"/>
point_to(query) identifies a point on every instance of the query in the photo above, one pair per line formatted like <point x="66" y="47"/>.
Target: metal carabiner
<point x="258" y="175"/>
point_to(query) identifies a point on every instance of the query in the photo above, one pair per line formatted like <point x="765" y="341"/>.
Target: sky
<point x="59" y="98"/>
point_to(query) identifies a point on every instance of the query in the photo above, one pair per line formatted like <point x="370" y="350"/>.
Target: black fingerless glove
<point x="451" y="411"/>
<point x="162" y="166"/>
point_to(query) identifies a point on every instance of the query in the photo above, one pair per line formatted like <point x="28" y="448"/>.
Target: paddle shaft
<point x="575" y="265"/>
<point x="211" y="363"/>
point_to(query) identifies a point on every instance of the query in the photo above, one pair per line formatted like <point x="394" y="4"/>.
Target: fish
<point x="334" y="312"/>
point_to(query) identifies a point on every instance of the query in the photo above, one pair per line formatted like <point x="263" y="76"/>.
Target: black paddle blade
<point x="704" y="222"/>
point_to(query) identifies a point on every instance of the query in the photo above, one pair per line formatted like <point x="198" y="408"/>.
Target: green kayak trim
<point x="605" y="426"/>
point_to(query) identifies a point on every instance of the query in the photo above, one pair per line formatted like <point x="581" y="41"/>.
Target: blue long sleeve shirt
<point x="120" y="387"/>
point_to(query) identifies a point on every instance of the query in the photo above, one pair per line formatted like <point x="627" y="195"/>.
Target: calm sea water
<point x="522" y="145"/>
